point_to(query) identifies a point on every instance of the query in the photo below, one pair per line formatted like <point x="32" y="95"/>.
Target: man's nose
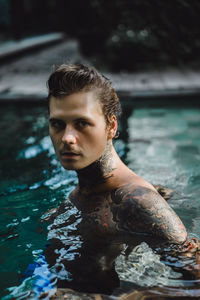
<point x="69" y="136"/>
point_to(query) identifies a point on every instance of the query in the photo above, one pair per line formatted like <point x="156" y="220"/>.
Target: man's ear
<point x="112" y="127"/>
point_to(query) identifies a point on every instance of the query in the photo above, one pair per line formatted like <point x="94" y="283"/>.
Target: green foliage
<point x="135" y="33"/>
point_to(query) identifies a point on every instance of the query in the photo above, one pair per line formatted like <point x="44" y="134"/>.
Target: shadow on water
<point x="160" y="144"/>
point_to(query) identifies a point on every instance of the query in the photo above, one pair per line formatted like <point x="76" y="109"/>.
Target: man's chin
<point x="69" y="167"/>
<point x="72" y="166"/>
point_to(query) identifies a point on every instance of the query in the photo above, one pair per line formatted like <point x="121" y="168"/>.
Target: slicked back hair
<point x="69" y="79"/>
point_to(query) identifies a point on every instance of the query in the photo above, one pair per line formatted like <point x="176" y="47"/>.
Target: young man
<point x="112" y="199"/>
<point x="83" y="110"/>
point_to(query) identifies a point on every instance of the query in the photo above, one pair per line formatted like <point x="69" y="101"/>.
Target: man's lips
<point x="69" y="154"/>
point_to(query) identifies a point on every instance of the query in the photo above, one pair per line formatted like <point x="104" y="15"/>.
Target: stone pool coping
<point x="12" y="48"/>
<point x="189" y="97"/>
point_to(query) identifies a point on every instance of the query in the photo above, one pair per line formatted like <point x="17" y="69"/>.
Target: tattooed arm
<point x="144" y="211"/>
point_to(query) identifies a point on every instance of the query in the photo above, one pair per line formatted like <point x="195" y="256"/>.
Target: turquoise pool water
<point x="160" y="144"/>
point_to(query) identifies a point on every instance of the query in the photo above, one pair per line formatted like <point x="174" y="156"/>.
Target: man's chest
<point x="97" y="213"/>
<point x="109" y="212"/>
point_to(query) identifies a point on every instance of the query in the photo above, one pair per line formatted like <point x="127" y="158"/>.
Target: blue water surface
<point x="160" y="144"/>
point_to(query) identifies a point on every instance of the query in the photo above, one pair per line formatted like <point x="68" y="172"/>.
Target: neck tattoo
<point x="98" y="172"/>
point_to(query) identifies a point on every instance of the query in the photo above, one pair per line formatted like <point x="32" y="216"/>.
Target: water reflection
<point x="86" y="260"/>
<point x="164" y="148"/>
<point x="80" y="259"/>
<point x="167" y="154"/>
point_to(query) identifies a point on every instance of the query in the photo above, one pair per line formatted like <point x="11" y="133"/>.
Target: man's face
<point x="78" y="129"/>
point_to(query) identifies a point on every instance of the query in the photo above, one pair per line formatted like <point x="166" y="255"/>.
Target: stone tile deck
<point x="24" y="78"/>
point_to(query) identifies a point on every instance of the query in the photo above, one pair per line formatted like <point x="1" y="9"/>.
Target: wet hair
<point x="69" y="79"/>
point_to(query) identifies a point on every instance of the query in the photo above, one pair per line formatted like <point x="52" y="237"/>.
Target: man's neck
<point x="98" y="172"/>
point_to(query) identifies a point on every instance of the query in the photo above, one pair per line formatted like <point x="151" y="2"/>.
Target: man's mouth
<point x="69" y="154"/>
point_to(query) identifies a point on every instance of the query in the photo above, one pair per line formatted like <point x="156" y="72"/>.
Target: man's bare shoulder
<point x="136" y="193"/>
<point x="143" y="210"/>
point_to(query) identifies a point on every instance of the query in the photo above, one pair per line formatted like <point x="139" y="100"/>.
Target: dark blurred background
<point x="120" y="34"/>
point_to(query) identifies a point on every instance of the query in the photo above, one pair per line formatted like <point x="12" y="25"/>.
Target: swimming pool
<point x="160" y="144"/>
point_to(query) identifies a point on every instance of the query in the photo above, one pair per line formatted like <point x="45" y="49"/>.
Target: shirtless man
<point x="113" y="200"/>
<point x="83" y="110"/>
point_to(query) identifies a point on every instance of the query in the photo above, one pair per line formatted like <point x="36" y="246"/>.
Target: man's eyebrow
<point x="54" y="119"/>
<point x="51" y="119"/>
<point x="83" y="119"/>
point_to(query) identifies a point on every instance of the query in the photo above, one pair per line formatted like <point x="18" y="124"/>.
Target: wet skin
<point x="135" y="210"/>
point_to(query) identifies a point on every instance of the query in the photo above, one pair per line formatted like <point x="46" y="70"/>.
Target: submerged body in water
<point x="86" y="240"/>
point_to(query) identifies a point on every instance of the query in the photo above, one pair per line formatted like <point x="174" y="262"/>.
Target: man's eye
<point x="82" y="124"/>
<point x="57" y="124"/>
